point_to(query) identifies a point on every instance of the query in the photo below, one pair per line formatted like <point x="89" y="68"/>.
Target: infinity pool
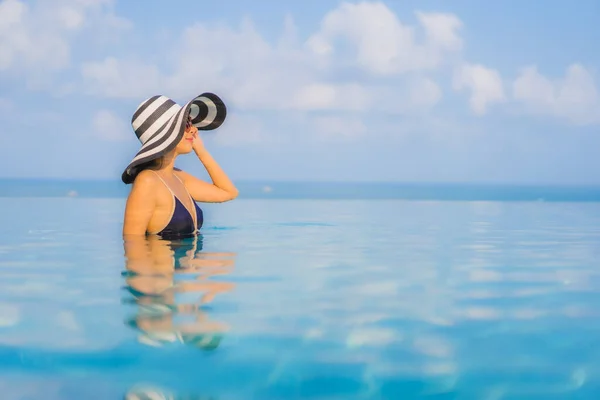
<point x="290" y="299"/>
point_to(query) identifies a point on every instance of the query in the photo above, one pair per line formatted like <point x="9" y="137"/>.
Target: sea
<point x="303" y="290"/>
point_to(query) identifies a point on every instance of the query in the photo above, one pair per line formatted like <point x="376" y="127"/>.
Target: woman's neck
<point x="168" y="164"/>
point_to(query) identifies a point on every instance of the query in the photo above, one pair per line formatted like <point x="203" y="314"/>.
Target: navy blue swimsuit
<point x="182" y="221"/>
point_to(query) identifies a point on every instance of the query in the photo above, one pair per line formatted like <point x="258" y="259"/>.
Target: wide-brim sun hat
<point x="159" y="124"/>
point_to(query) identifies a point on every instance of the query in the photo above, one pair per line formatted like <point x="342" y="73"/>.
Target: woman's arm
<point x="221" y="190"/>
<point x="140" y="204"/>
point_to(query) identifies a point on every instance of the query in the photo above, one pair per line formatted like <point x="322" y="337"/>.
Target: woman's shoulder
<point x="146" y="177"/>
<point x="145" y="180"/>
<point x="143" y="191"/>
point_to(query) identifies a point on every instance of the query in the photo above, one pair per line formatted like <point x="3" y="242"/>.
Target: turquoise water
<point x="302" y="298"/>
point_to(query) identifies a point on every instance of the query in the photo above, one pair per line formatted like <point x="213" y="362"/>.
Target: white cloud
<point x="323" y="96"/>
<point x="36" y="36"/>
<point x="108" y="126"/>
<point x="423" y="93"/>
<point x="383" y="44"/>
<point x="485" y="86"/>
<point x="24" y="42"/>
<point x="442" y="30"/>
<point x="125" y="78"/>
<point x="308" y="75"/>
<point x="409" y="96"/>
<point x="404" y="97"/>
<point x="574" y="98"/>
<point x="254" y="74"/>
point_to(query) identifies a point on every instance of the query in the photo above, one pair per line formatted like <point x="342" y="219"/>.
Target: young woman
<point x="163" y="198"/>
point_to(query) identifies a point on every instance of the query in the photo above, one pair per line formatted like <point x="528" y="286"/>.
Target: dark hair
<point x="157" y="163"/>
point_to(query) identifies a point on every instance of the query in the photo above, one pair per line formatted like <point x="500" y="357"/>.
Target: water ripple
<point x="295" y="299"/>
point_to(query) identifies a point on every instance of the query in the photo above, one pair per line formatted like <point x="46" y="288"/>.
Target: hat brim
<point x="207" y="111"/>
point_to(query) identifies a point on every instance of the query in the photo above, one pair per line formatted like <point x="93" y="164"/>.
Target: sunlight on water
<point x="302" y="299"/>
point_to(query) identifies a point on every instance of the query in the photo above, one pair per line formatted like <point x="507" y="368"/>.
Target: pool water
<point x="290" y="299"/>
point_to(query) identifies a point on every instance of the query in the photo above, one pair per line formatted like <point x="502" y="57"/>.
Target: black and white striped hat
<point x="159" y="124"/>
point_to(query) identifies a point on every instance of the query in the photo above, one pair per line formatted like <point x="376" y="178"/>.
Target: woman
<point x="163" y="198"/>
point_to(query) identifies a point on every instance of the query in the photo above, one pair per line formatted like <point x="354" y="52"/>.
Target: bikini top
<point x="182" y="221"/>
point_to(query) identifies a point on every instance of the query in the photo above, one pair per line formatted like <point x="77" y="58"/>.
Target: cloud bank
<point x="393" y="85"/>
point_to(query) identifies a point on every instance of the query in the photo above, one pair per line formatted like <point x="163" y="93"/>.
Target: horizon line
<point x="331" y="181"/>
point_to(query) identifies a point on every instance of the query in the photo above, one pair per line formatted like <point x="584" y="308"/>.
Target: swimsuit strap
<point x="165" y="183"/>
<point x="187" y="191"/>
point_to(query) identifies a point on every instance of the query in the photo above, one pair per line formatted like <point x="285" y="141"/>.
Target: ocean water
<point x="334" y="296"/>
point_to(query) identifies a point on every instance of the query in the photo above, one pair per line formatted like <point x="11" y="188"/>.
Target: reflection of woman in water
<point x="163" y="198"/>
<point x="160" y="272"/>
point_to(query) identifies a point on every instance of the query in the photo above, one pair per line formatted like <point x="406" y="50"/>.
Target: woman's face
<point x="185" y="144"/>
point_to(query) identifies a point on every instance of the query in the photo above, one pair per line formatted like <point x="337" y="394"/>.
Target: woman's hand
<point x="197" y="144"/>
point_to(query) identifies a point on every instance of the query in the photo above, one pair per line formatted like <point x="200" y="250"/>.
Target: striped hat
<point x="159" y="124"/>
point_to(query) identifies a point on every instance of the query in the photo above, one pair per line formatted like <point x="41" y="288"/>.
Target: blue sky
<point x="419" y="91"/>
